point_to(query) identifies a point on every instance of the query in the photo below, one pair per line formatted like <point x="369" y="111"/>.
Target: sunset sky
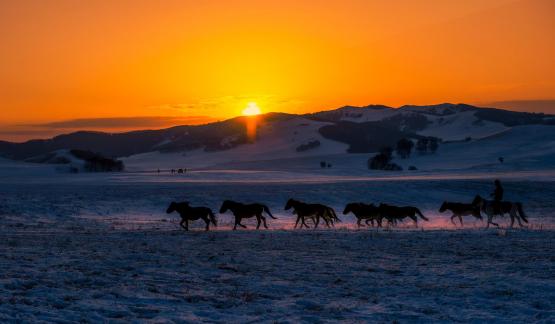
<point x="196" y="61"/>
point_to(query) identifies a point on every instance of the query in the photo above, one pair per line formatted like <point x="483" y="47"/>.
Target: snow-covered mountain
<point x="285" y="136"/>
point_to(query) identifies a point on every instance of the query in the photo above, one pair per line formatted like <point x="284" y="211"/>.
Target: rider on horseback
<point x="497" y="195"/>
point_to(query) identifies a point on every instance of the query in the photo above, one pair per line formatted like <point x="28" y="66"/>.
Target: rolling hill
<point x="343" y="130"/>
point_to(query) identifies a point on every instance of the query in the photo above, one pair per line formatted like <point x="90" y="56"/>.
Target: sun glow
<point x="251" y="110"/>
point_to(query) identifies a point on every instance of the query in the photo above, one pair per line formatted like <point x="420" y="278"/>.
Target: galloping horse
<point x="189" y="213"/>
<point x="241" y="211"/>
<point x="492" y="208"/>
<point x="459" y="210"/>
<point x="394" y="213"/>
<point x="312" y="211"/>
<point x="368" y="212"/>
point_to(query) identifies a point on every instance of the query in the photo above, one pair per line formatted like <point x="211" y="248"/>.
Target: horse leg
<point x="358" y="222"/>
<point x="317" y="222"/>
<point x="186" y="224"/>
<point x="518" y="219"/>
<point x="512" y="219"/>
<point x="264" y="221"/>
<point x="236" y="222"/>
<point x="460" y="218"/>
<point x="207" y="221"/>
<point x="182" y="224"/>
<point x="452" y="221"/>
<point x="257" y="221"/>
<point x="304" y="223"/>
<point x="297" y="222"/>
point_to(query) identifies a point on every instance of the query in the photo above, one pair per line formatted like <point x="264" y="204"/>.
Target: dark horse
<point x="241" y="211"/>
<point x="312" y="211"/>
<point x="395" y="213"/>
<point x="189" y="213"/>
<point x="492" y="208"/>
<point x="459" y="210"/>
<point x="368" y="212"/>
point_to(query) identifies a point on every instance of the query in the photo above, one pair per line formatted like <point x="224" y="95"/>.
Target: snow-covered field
<point x="100" y="247"/>
<point x="97" y="248"/>
<point x="284" y="276"/>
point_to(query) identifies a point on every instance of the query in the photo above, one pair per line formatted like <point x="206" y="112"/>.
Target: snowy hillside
<point x="284" y="141"/>
<point x="275" y="140"/>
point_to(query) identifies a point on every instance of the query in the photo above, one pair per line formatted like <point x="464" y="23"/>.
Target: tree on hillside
<point x="387" y="151"/>
<point x="382" y="161"/>
<point x="404" y="148"/>
<point x="433" y="144"/>
<point x="422" y="145"/>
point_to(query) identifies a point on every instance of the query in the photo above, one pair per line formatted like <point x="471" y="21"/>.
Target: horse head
<point x="443" y="207"/>
<point x="349" y="208"/>
<point x="290" y="203"/>
<point x="172" y="207"/>
<point x="225" y="206"/>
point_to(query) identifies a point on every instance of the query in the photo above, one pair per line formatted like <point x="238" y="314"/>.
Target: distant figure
<point x="180" y="171"/>
<point x="158" y="170"/>
<point x="311" y="211"/>
<point x="173" y="171"/>
<point x="189" y="213"/>
<point x="459" y="210"/>
<point x="497" y="196"/>
<point x="241" y="211"/>
<point x="493" y="208"/>
<point x="393" y="214"/>
<point x="367" y="212"/>
<point x="498" y="192"/>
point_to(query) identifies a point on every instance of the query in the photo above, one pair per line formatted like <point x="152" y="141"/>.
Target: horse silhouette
<point x="395" y="213"/>
<point x="189" y="213"/>
<point x="312" y="211"/>
<point x="367" y="212"/>
<point x="241" y="211"/>
<point x="493" y="208"/>
<point x="459" y="210"/>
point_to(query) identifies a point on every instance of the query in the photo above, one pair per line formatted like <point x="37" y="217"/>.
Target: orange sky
<point x="64" y="60"/>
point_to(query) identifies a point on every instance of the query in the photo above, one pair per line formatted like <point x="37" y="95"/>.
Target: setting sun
<point x="251" y="110"/>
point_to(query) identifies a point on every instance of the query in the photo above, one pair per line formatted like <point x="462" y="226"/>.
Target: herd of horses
<point x="372" y="215"/>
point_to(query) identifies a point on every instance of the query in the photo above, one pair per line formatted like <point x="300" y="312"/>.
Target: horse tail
<point x="212" y="217"/>
<point x="420" y="214"/>
<point x="521" y="212"/>
<point x="267" y="210"/>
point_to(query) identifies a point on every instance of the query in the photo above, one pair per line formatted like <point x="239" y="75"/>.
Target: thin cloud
<point x="125" y="122"/>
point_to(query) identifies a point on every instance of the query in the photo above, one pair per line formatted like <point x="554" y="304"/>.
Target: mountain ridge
<point x="347" y="124"/>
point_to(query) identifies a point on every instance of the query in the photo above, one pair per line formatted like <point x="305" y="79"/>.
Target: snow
<point x="523" y="148"/>
<point x="276" y="140"/>
<point x="460" y="126"/>
<point x="100" y="247"/>
<point x="161" y="276"/>
<point x="367" y="114"/>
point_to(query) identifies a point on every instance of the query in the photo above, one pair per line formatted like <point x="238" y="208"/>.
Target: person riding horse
<point x="497" y="196"/>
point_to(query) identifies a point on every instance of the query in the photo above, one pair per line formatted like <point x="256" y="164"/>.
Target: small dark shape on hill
<point x="404" y="148"/>
<point x="308" y="146"/>
<point x="95" y="162"/>
<point x="382" y="161"/>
